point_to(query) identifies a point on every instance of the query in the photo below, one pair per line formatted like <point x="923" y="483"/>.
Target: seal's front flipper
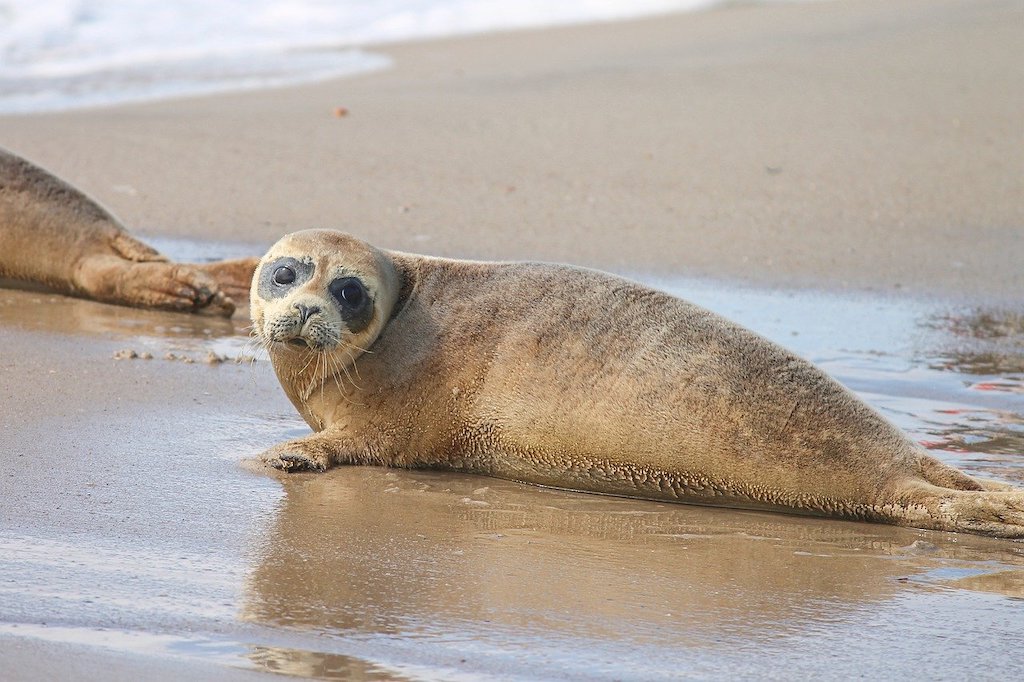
<point x="317" y="452"/>
<point x="289" y="458"/>
<point x="320" y="451"/>
<point x="312" y="453"/>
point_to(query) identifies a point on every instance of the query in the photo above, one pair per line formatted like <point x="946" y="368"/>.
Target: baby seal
<point x="576" y="379"/>
<point x="52" y="234"/>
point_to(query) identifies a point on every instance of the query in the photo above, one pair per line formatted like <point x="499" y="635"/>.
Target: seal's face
<point x="322" y="291"/>
<point x="311" y="315"/>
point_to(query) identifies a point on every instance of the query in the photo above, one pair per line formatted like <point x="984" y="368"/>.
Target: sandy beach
<point x="862" y="144"/>
<point x="811" y="160"/>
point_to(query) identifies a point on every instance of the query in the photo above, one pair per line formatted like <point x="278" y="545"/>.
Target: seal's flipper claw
<point x="218" y="304"/>
<point x="179" y="287"/>
<point x="232" y="276"/>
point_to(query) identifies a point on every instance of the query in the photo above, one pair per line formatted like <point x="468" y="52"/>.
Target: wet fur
<point x="575" y="379"/>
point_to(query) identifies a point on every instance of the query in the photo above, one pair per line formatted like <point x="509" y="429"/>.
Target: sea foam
<point x="59" y="54"/>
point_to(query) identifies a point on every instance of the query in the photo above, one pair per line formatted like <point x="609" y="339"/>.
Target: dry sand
<point x="861" y="145"/>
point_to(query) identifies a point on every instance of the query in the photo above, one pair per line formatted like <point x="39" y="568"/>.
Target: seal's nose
<point x="305" y="311"/>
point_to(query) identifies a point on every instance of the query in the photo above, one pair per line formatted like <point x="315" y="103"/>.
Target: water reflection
<point x="151" y="331"/>
<point x="980" y="341"/>
<point x="363" y="551"/>
<point x="985" y="348"/>
<point x="984" y="442"/>
<point x="319" y="665"/>
<point x="1008" y="583"/>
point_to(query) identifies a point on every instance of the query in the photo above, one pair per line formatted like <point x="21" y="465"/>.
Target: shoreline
<point x="733" y="142"/>
<point x="295" y="58"/>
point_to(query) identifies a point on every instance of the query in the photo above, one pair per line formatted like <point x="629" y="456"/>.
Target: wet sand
<point x="839" y="147"/>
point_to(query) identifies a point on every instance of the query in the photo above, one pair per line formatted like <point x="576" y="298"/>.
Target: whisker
<point x="355" y="367"/>
<point x="252" y="347"/>
<point x="308" y="390"/>
<point x="334" y="375"/>
<point x="355" y="347"/>
<point x="323" y="375"/>
<point x="352" y="362"/>
<point x="342" y="369"/>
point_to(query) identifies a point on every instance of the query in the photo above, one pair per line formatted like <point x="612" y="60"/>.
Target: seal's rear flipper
<point x="983" y="512"/>
<point x="233" y="276"/>
<point x="53" y="235"/>
<point x="162" y="285"/>
<point x="1000" y="514"/>
<point x="944" y="476"/>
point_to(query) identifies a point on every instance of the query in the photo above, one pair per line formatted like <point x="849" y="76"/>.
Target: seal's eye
<point x="284" y="275"/>
<point x="352" y="294"/>
<point x="348" y="291"/>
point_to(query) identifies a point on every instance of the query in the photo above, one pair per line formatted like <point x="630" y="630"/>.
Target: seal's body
<point x="575" y="379"/>
<point x="52" y="234"/>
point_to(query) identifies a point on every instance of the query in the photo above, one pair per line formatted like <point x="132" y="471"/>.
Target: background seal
<point x="53" y="235"/>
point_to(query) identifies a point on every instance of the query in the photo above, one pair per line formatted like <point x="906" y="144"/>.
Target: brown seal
<point x="576" y="379"/>
<point x="53" y="235"/>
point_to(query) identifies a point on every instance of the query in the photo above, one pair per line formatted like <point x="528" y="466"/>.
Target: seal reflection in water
<point x="575" y="379"/>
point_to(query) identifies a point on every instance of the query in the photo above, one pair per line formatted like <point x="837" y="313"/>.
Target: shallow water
<point x="131" y="526"/>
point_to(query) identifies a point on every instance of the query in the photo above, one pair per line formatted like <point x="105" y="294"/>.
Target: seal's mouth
<point x="298" y="342"/>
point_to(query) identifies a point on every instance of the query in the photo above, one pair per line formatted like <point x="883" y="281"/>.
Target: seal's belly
<point x="593" y="475"/>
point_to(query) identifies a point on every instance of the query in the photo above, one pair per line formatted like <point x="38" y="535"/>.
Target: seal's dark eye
<point x="352" y="294"/>
<point x="284" y="275"/>
<point x="349" y="292"/>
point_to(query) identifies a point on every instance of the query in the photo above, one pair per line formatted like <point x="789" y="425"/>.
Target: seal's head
<point x="322" y="291"/>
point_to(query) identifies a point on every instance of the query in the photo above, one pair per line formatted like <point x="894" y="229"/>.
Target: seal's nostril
<point x="305" y="311"/>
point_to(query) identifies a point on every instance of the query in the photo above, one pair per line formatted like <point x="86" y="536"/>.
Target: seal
<point x="53" y="235"/>
<point x="575" y="379"/>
